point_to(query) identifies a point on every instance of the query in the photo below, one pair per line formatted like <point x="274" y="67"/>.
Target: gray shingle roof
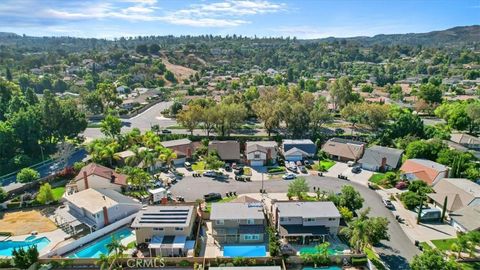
<point x="307" y="209"/>
<point x="305" y="145"/>
<point x="468" y="217"/>
<point x="236" y="211"/>
<point x="175" y="142"/>
<point x="375" y="154"/>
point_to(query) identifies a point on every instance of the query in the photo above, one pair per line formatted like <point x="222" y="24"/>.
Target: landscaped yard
<point x="58" y="193"/>
<point x="374" y="258"/>
<point x="223" y="200"/>
<point x="376" y="178"/>
<point x="198" y="166"/>
<point x="323" y="165"/>
<point x="444" y="244"/>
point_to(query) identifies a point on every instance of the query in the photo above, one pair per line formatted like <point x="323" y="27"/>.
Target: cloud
<point x="219" y="13"/>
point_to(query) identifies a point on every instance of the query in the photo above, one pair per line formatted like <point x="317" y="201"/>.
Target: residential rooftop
<point x="236" y="210"/>
<point x="93" y="200"/>
<point x="307" y="209"/>
<point x="173" y="143"/>
<point x="164" y="216"/>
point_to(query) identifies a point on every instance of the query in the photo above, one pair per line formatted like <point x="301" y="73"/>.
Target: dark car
<point x="388" y="204"/>
<point x="166" y="131"/>
<point x="212" y="197"/>
<point x="238" y="171"/>
<point x="303" y="169"/>
<point x="356" y="169"/>
<point x="227" y="167"/>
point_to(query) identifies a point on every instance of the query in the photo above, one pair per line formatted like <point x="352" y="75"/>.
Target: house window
<point x="331" y="219"/>
<point x="251" y="237"/>
<point x="310" y="219"/>
<point x="178" y="229"/>
<point x="256" y="156"/>
<point x="250" y="221"/>
<point x="158" y="229"/>
<point x="219" y="222"/>
<point x="282" y="219"/>
<point x="147" y="240"/>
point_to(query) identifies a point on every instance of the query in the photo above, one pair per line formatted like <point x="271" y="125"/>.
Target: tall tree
<point x="111" y="126"/>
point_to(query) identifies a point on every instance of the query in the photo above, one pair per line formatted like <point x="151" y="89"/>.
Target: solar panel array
<point x="165" y="216"/>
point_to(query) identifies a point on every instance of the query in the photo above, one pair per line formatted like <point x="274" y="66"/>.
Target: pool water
<point x="99" y="247"/>
<point x="244" y="251"/>
<point x="7" y="247"/>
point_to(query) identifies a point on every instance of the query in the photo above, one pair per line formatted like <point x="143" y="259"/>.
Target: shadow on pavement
<point x="395" y="262"/>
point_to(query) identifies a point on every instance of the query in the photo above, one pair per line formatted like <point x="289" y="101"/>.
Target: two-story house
<point x="97" y="176"/>
<point x="96" y="208"/>
<point x="305" y="222"/>
<point x="260" y="153"/>
<point x="168" y="230"/>
<point x="238" y="222"/>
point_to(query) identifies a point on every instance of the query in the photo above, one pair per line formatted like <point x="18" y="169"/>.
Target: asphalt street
<point x="44" y="170"/>
<point x="396" y="252"/>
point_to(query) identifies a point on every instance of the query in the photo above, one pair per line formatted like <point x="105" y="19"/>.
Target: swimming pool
<point x="244" y="251"/>
<point x="6" y="247"/>
<point x="99" y="246"/>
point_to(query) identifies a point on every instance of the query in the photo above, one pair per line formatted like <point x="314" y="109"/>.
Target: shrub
<point x="184" y="263"/>
<point x="3" y="195"/>
<point x="276" y="170"/>
<point x="359" y="261"/>
<point x="27" y="175"/>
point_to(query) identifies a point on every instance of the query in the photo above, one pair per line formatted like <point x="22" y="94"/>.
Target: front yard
<point x="444" y="244"/>
<point x="323" y="165"/>
<point x="198" y="166"/>
<point x="58" y="193"/>
<point x="377" y="178"/>
<point x="208" y="206"/>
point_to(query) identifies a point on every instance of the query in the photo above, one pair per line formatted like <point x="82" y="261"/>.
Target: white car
<point x="210" y="174"/>
<point x="289" y="176"/>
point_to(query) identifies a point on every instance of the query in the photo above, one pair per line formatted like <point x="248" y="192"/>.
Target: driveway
<point x="395" y="253"/>
<point x="343" y="169"/>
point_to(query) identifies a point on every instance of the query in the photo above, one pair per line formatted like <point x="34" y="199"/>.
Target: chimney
<point x="105" y="216"/>
<point x="384" y="164"/>
<point x="85" y="179"/>
<point x="269" y="154"/>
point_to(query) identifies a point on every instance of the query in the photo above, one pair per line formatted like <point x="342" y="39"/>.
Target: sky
<point x="304" y="19"/>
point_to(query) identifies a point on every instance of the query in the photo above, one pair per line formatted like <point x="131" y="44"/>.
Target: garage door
<point x="179" y="161"/>
<point x="293" y="157"/>
<point x="256" y="163"/>
<point x="369" y="167"/>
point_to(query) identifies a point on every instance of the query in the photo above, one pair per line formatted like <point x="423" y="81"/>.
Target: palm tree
<point x="167" y="155"/>
<point x="357" y="232"/>
<point x="151" y="140"/>
<point x="136" y="158"/>
<point x="150" y="159"/>
<point x="109" y="152"/>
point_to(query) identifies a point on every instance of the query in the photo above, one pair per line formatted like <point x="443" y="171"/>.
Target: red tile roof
<point x="102" y="171"/>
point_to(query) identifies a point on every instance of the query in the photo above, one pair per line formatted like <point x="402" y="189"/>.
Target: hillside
<point x="453" y="36"/>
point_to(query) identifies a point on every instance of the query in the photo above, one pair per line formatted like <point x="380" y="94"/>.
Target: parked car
<point x="212" y="197"/>
<point x="356" y="169"/>
<point x="209" y="174"/>
<point x="292" y="168"/>
<point x="350" y="163"/>
<point x="188" y="165"/>
<point x="303" y="169"/>
<point x="388" y="204"/>
<point x="299" y="163"/>
<point x="238" y="171"/>
<point x="289" y="176"/>
<point x="227" y="167"/>
<point x="306" y="162"/>
<point x="166" y="131"/>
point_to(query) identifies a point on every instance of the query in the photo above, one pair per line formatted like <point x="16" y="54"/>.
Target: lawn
<point x="198" y="166"/>
<point x="374" y="258"/>
<point x="323" y="165"/>
<point x="444" y="244"/>
<point x="223" y="200"/>
<point x="58" y="193"/>
<point x="425" y="246"/>
<point x="376" y="178"/>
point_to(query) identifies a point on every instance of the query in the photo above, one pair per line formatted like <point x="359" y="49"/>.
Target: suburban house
<point x="227" y="150"/>
<point x="466" y="219"/>
<point x="184" y="149"/>
<point x="428" y="171"/>
<point x="125" y="155"/>
<point x="260" y="153"/>
<point x="168" y="230"/>
<point x="95" y="208"/>
<point x="305" y="222"/>
<point x="295" y="150"/>
<point x="343" y="149"/>
<point x="99" y="177"/>
<point x="238" y="222"/>
<point x="379" y="158"/>
<point x="466" y="140"/>
<point x="459" y="192"/>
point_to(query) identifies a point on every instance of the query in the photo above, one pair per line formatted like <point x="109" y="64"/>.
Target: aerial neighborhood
<point x="236" y="153"/>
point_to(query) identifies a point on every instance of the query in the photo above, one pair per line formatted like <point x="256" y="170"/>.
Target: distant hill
<point x="7" y="34"/>
<point x="454" y="36"/>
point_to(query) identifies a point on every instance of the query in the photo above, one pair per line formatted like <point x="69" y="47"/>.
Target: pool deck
<point x="213" y="249"/>
<point x="56" y="237"/>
